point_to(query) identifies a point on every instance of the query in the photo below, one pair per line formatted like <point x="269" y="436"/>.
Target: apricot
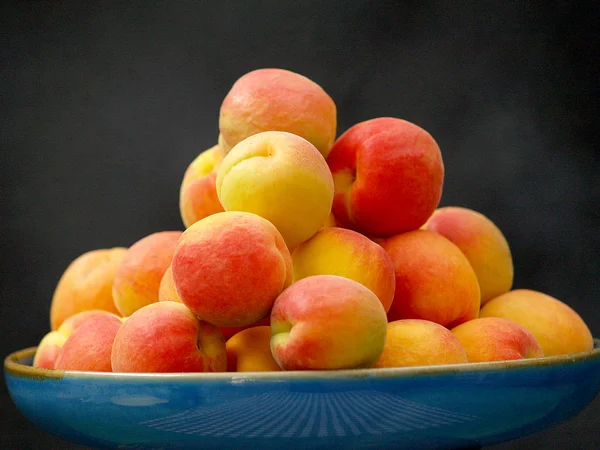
<point x="51" y="344"/>
<point x="86" y="284"/>
<point x="250" y="351"/>
<point x="326" y="322"/>
<point x="168" y="292"/>
<point x="281" y="177"/>
<point x="166" y="288"/>
<point x="277" y="100"/>
<point x="89" y="347"/>
<point x="556" y="326"/>
<point x="483" y="244"/>
<point x="198" y="192"/>
<point x="388" y="176"/>
<point x="338" y="251"/>
<point x="434" y="280"/>
<point x="229" y="267"/>
<point x="494" y="339"/>
<point x="48" y="350"/>
<point x="138" y="277"/>
<point x="168" y="337"/>
<point x="414" y="342"/>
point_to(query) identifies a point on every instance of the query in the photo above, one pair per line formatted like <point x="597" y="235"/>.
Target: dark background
<point x="105" y="104"/>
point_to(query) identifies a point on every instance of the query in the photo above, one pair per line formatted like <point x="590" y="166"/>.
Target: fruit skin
<point x="224" y="147"/>
<point x="278" y="100"/>
<point x="414" y="342"/>
<point x="555" y="325"/>
<point x="230" y="267"/>
<point x="494" y="339"/>
<point x="388" y="176"/>
<point x="86" y="284"/>
<point x="198" y="193"/>
<point x="138" y="277"/>
<point x="326" y="322"/>
<point x="434" y="280"/>
<point x="343" y="252"/>
<point x="281" y="177"/>
<point x="330" y="221"/>
<point x="89" y="347"/>
<point x="168" y="337"/>
<point x="250" y="351"/>
<point x="51" y="344"/>
<point x="166" y="289"/>
<point x="228" y="332"/>
<point x="168" y="292"/>
<point x="483" y="244"/>
<point x="49" y="349"/>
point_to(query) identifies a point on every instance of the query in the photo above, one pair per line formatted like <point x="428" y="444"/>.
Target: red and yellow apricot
<point x="230" y="267"/>
<point x="483" y="244"/>
<point x="388" y="176"/>
<point x="414" y="342"/>
<point x="434" y="280"/>
<point x="281" y="177"/>
<point x="343" y="252"/>
<point x="488" y="339"/>
<point x="250" y="351"/>
<point x="327" y="322"/>
<point x="86" y="284"/>
<point x="89" y="347"/>
<point x="277" y="100"/>
<point x="198" y="193"/>
<point x="167" y="337"/>
<point x="48" y="350"/>
<point x="555" y="325"/>
<point x="138" y="277"/>
<point x="51" y="344"/>
<point x="168" y="292"/>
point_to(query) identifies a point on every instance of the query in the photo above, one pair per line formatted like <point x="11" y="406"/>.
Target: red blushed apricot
<point x="49" y="349"/>
<point x="483" y="244"/>
<point x="327" y="322"/>
<point x="229" y="267"/>
<point x="86" y="284"/>
<point x="168" y="337"/>
<point x="138" y="278"/>
<point x="388" y="175"/>
<point x="168" y="292"/>
<point x="494" y="339"/>
<point x="434" y="280"/>
<point x="198" y="193"/>
<point x="277" y="100"/>
<point x="250" y="351"/>
<point x="89" y="347"/>
<point x="557" y="327"/>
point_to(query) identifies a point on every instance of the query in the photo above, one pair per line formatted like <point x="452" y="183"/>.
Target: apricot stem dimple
<point x="281" y="326"/>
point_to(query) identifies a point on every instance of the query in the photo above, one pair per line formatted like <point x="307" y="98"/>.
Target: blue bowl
<point x="454" y="406"/>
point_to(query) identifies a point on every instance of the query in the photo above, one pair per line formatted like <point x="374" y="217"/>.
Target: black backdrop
<point x="104" y="104"/>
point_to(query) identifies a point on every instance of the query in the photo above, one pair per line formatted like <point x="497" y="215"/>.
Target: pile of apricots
<point x="301" y="250"/>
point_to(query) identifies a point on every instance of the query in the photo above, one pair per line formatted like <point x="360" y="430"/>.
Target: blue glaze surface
<point x="446" y="407"/>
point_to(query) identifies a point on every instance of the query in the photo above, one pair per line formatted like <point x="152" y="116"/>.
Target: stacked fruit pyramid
<point x="303" y="251"/>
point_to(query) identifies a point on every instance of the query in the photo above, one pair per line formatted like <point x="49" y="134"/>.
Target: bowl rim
<point x="13" y="367"/>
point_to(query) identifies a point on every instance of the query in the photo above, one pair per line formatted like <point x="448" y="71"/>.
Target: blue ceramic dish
<point x="459" y="406"/>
